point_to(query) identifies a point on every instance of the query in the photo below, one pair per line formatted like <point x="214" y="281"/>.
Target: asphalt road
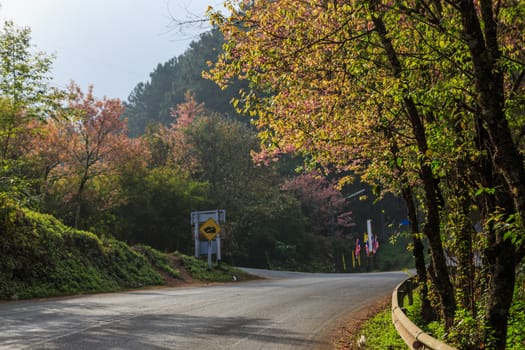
<point x="287" y="311"/>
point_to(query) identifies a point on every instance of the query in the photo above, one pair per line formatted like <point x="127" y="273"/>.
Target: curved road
<point x="286" y="311"/>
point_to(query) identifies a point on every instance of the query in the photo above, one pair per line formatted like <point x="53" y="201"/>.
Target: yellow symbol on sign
<point x="209" y="229"/>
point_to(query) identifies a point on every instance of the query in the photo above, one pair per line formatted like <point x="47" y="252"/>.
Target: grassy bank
<point x="41" y="257"/>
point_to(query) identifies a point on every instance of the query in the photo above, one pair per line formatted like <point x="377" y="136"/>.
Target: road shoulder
<point x="346" y="333"/>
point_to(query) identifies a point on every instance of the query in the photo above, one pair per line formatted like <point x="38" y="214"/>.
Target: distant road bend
<point x="287" y="311"/>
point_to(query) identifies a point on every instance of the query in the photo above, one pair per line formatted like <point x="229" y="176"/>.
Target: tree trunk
<point x="500" y="295"/>
<point x="499" y="257"/>
<point x="8" y="134"/>
<point x="426" y="312"/>
<point x="442" y="281"/>
<point x="465" y="262"/>
<point x="79" y="199"/>
<point x="485" y="55"/>
<point x="77" y="213"/>
<point x="463" y="249"/>
<point x="432" y="199"/>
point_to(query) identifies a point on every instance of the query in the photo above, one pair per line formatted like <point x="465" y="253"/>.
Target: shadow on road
<point x="164" y="331"/>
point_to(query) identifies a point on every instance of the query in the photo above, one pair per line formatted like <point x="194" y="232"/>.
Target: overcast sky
<point x="112" y="44"/>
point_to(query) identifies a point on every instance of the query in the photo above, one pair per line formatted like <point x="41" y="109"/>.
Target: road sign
<point x="209" y="229"/>
<point x="205" y="225"/>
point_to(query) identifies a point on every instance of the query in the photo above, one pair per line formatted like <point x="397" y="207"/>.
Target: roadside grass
<point x="372" y="326"/>
<point x="380" y="333"/>
<point x="42" y="257"/>
<point x="158" y="260"/>
<point x="222" y="272"/>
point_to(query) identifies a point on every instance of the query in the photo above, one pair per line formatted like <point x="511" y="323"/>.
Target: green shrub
<point x="42" y="257"/>
<point x="516" y="331"/>
<point x="158" y="259"/>
<point x="467" y="331"/>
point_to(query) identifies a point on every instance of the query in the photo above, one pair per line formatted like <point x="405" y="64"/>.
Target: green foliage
<point x="13" y="181"/>
<point x="394" y="255"/>
<point x="158" y="259"/>
<point x="516" y="330"/>
<point x="381" y="334"/>
<point x="157" y="210"/>
<point x="468" y="332"/>
<point x="43" y="257"/>
<point x="23" y="73"/>
<point x="24" y="97"/>
<point x="219" y="273"/>
<point x="150" y="102"/>
<point x="221" y="148"/>
<point x="24" y="94"/>
<point x="435" y="328"/>
<point x="273" y="219"/>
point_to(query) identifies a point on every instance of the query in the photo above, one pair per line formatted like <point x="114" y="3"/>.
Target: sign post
<point x="206" y="230"/>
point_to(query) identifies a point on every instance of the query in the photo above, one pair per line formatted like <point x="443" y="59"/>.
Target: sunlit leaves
<point x="406" y="93"/>
<point x="24" y="93"/>
<point x="86" y="145"/>
<point x="23" y="73"/>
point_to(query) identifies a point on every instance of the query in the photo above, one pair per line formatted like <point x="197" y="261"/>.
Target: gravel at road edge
<point x="345" y="336"/>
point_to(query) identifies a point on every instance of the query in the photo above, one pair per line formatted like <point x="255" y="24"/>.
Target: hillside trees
<point x="24" y="98"/>
<point x="74" y="156"/>
<point x="385" y="90"/>
<point x="156" y="207"/>
<point x="91" y="145"/>
<point x="322" y="203"/>
<point x="215" y="150"/>
<point x="329" y="221"/>
<point x="150" y="102"/>
<point x="23" y="83"/>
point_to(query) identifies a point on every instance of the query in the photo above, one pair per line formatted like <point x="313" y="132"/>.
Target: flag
<point x="376" y="244"/>
<point x="358" y="251"/>
<point x="365" y="240"/>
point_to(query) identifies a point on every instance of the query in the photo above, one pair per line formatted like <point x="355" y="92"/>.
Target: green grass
<point x="42" y="257"/>
<point x="380" y="332"/>
<point x="158" y="259"/>
<point x="199" y="270"/>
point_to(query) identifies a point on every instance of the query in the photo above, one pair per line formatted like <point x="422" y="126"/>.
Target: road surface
<point x="286" y="311"/>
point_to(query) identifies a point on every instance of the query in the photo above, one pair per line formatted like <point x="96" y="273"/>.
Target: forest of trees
<point x="280" y="115"/>
<point x="422" y="98"/>
<point x="135" y="170"/>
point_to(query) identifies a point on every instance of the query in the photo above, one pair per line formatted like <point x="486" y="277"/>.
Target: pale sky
<point x="112" y="44"/>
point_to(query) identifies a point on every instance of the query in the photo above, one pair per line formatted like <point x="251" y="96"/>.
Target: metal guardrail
<point x="411" y="334"/>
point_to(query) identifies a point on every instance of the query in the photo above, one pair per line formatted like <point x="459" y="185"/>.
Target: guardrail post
<point x="409" y="290"/>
